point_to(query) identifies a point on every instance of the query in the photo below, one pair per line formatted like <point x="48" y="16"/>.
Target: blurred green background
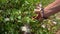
<point x="15" y="13"/>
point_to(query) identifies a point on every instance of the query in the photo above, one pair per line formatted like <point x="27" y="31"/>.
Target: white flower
<point x="43" y="26"/>
<point x="40" y="5"/>
<point x="5" y="32"/>
<point x="25" y="28"/>
<point x="7" y="19"/>
<point x="49" y="29"/>
<point x="54" y="22"/>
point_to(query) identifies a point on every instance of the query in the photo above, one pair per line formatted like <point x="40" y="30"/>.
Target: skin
<point x="50" y="9"/>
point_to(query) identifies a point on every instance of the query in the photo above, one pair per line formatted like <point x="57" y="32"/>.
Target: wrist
<point x="46" y="11"/>
<point x="43" y="13"/>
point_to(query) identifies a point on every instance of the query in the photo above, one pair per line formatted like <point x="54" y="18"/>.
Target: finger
<point x="36" y="11"/>
<point x="37" y="7"/>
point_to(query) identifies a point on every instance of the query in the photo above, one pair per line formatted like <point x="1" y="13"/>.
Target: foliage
<point x="15" y="13"/>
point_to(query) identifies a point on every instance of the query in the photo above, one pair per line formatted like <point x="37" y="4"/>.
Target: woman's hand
<point x="38" y="12"/>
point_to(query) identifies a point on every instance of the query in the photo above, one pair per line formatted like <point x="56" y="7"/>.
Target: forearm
<point x="52" y="8"/>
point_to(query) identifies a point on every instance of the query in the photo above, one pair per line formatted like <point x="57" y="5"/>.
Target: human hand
<point x="38" y="12"/>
